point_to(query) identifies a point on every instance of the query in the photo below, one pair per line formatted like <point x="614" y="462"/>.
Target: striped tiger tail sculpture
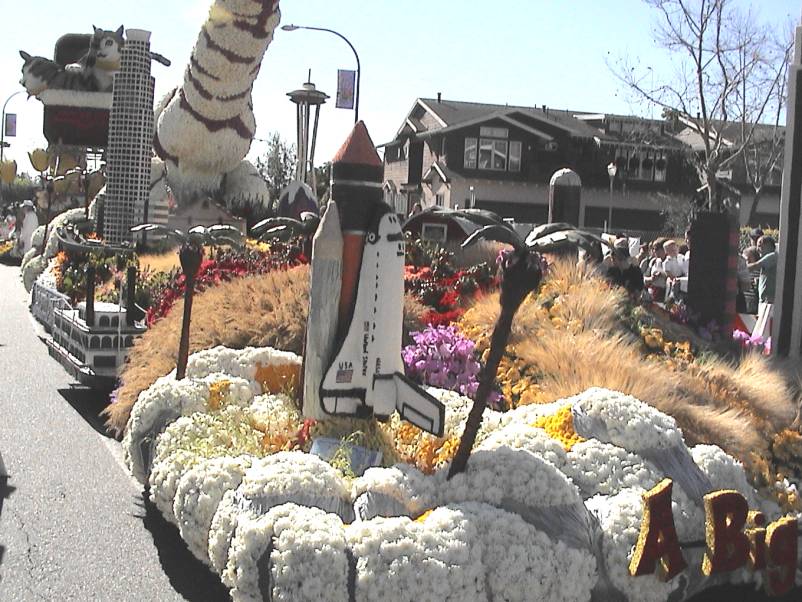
<point x="205" y="127"/>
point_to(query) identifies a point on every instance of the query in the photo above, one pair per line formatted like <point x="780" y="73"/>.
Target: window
<point x="490" y="132"/>
<point x="515" y="156"/>
<point x="642" y="164"/>
<point x="492" y="154"/>
<point x="439" y="199"/>
<point x="470" y="153"/>
<point x="433" y="232"/>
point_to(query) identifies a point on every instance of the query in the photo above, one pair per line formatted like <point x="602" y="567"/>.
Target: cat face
<point x="106" y="45"/>
<point x="37" y="72"/>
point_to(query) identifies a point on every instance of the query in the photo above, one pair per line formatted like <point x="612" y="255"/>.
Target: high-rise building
<point x="130" y="145"/>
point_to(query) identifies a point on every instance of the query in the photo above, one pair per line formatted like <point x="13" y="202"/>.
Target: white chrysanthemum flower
<point x="457" y="409"/>
<point x="504" y="475"/>
<point x="622" y="420"/>
<point x="164" y="478"/>
<point x="278" y="412"/>
<point x="242" y="363"/>
<point x="522" y="563"/>
<point x="163" y="402"/>
<point x="620" y="518"/>
<point x="601" y="468"/>
<point x="528" y="414"/>
<point x="285" y="477"/>
<point x="406" y="561"/>
<point x="308" y="560"/>
<point x="725" y="472"/>
<point x="401" y="490"/>
<point x="198" y="495"/>
<point x="529" y="438"/>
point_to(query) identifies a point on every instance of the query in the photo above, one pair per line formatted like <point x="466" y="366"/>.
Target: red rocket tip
<point x="358" y="148"/>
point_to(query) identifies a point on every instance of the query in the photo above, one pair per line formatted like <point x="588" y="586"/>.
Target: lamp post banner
<point x="11" y="124"/>
<point x="346" y="84"/>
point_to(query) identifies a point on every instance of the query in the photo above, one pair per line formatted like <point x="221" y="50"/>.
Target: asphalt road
<point x="73" y="524"/>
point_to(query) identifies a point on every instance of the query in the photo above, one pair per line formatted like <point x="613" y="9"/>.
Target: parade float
<point x="340" y="475"/>
<point x="333" y="477"/>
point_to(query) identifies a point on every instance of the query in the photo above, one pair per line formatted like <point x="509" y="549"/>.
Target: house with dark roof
<point x="501" y="158"/>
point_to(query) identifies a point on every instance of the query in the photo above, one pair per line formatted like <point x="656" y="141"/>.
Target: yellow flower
<point x="277" y="378"/>
<point x="218" y="392"/>
<point x="447" y="451"/>
<point x="424" y="516"/>
<point x="560" y="426"/>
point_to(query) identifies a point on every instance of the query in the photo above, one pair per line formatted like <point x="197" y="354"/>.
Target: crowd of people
<point x="659" y="272"/>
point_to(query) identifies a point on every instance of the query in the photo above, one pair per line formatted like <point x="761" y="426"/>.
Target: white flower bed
<point x="518" y="524"/>
<point x="505" y="475"/>
<point x="406" y="561"/>
<point x="401" y="488"/>
<point x="198" y="495"/>
<point x="308" y="540"/>
<point x="165" y="401"/>
<point x="624" y="421"/>
<point x="238" y="362"/>
<point x="285" y="477"/>
<point x="523" y="563"/>
<point x="529" y="438"/>
<point x="602" y="468"/>
<point x="725" y="472"/>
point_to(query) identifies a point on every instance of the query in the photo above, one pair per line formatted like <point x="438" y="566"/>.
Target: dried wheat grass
<point x="738" y="407"/>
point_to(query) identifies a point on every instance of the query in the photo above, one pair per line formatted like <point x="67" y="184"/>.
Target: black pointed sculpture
<point x="190" y="254"/>
<point x="520" y="273"/>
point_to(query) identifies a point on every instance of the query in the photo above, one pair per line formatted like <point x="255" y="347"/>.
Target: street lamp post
<point x="351" y="46"/>
<point x="3" y="125"/>
<point x="612" y="169"/>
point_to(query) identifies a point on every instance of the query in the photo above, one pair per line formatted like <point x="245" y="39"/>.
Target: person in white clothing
<point x="673" y="265"/>
<point x="29" y="224"/>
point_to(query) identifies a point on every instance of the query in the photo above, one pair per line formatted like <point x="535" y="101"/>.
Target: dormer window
<point x="493" y="151"/>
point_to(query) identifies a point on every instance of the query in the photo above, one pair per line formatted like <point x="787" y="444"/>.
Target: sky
<point x="519" y="52"/>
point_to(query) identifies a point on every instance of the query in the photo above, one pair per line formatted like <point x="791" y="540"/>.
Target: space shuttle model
<point x="352" y="361"/>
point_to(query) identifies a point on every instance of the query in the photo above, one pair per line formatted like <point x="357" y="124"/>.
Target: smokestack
<point x="90" y="295"/>
<point x="130" y="295"/>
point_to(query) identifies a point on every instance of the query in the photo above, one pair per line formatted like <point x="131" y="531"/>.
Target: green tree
<point x="277" y="166"/>
<point x="322" y="177"/>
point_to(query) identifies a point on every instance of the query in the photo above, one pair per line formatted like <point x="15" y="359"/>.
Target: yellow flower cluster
<point x="518" y="382"/>
<point x="417" y="447"/>
<point x="5" y="248"/>
<point x="218" y="394"/>
<point x="278" y="378"/>
<point x="658" y="346"/>
<point x="273" y="440"/>
<point x="560" y="426"/>
<point x="422" y="518"/>
<point x="257" y="245"/>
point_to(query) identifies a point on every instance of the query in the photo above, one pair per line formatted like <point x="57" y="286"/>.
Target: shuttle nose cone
<point x="358" y="149"/>
<point x="357" y="173"/>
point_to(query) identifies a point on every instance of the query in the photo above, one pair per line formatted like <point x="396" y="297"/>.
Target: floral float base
<point x="549" y="508"/>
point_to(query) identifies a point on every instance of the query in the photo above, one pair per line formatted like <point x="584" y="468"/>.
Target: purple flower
<point x="739" y="336"/>
<point x="442" y="357"/>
